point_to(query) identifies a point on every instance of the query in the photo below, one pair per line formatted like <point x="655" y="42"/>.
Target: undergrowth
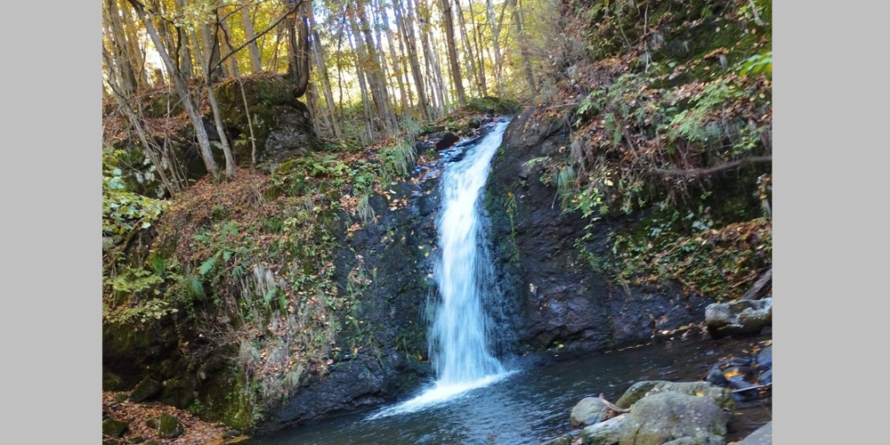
<point x="671" y="117"/>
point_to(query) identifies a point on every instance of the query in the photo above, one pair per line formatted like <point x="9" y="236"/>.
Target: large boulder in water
<point x="588" y="411"/>
<point x="675" y="418"/>
<point x="739" y="317"/>
<point x="722" y="397"/>
<point x="448" y="139"/>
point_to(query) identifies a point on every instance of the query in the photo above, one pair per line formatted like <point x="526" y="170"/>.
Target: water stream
<point x="534" y="404"/>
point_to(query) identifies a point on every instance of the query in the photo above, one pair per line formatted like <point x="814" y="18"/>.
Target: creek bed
<point x="533" y="405"/>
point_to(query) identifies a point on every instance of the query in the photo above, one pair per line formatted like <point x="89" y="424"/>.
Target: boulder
<point x="588" y="411"/>
<point x="169" y="426"/>
<point x="114" y="428"/>
<point x="448" y="139"/>
<point x="671" y="416"/>
<point x="603" y="433"/>
<point x="145" y="390"/>
<point x="766" y="378"/>
<point x="763" y="436"/>
<point x="474" y="123"/>
<point x="765" y="357"/>
<point x="716" y="377"/>
<point x="722" y="397"/>
<point x="739" y="317"/>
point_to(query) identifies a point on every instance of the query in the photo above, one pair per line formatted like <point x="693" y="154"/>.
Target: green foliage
<point x="399" y="159"/>
<point x="717" y="263"/>
<point x="758" y="64"/>
<point x="124" y="211"/>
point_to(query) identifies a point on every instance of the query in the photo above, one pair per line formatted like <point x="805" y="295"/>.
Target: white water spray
<point x="458" y="341"/>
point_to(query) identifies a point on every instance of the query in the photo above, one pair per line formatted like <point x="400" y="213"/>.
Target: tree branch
<point x="712" y="170"/>
<point x="272" y="26"/>
<point x="613" y="407"/>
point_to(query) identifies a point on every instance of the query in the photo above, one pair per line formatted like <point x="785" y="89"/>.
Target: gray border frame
<point x="830" y="248"/>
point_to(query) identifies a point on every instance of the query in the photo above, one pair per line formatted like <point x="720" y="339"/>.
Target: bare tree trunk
<point x="469" y="58"/>
<point x="185" y="53"/>
<point x="496" y="46"/>
<point x="182" y="90"/>
<point x="298" y="51"/>
<point x="211" y="94"/>
<point x="433" y="71"/>
<point x="378" y="73"/>
<point x="352" y="34"/>
<point x="404" y="66"/>
<point x="405" y="23"/>
<point x="211" y="55"/>
<point x="452" y="51"/>
<point x="221" y="129"/>
<point x="249" y="123"/>
<point x="231" y="61"/>
<point x="368" y="62"/>
<point x="318" y="50"/>
<point x="477" y="39"/>
<point x="403" y="97"/>
<point x="137" y="54"/>
<point x="246" y="21"/>
<point x="523" y="48"/>
<point x="122" y="58"/>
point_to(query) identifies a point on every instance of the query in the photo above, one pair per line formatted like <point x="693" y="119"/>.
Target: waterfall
<point x="459" y="341"/>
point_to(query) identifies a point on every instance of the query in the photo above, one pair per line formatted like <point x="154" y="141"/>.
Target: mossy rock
<point x="720" y="396"/>
<point x="676" y="418"/>
<point x="136" y="439"/>
<point x="169" y="426"/>
<point x="588" y="411"/>
<point x="636" y="392"/>
<point x="603" y="433"/>
<point x="145" y="390"/>
<point x="110" y="380"/>
<point x="114" y="428"/>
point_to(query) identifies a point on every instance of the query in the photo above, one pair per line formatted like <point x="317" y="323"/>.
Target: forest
<point x="278" y="256"/>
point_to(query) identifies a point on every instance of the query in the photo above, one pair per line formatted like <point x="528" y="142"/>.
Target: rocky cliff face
<point x="547" y="268"/>
<point x="383" y="343"/>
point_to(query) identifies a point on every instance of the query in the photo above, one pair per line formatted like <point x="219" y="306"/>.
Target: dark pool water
<point x="533" y="405"/>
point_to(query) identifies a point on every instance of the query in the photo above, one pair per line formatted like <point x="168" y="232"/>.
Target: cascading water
<point x="458" y="345"/>
<point x="458" y="338"/>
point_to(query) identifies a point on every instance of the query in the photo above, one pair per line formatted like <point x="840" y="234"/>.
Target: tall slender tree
<point x="452" y="51"/>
